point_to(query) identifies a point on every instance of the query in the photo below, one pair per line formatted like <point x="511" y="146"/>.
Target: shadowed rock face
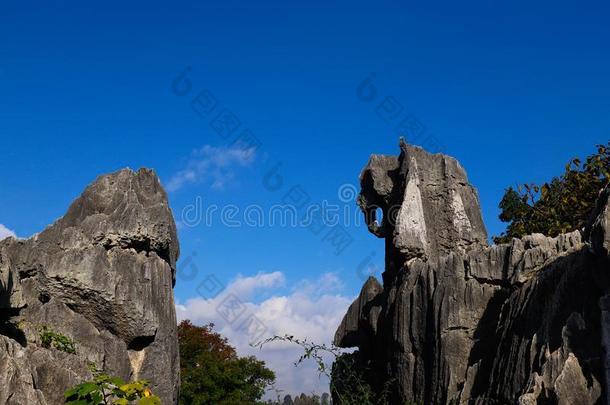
<point x="102" y="275"/>
<point x="457" y="321"/>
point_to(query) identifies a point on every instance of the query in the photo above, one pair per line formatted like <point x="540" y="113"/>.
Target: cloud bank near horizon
<point x="310" y="309"/>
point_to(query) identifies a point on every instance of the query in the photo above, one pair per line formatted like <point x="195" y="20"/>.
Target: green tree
<point x="559" y="206"/>
<point x="212" y="373"/>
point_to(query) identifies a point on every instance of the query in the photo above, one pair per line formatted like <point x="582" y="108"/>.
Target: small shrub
<point x="60" y="342"/>
<point x="104" y="389"/>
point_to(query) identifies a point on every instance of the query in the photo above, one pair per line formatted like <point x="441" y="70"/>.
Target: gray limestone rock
<point x="101" y="275"/>
<point x="429" y="208"/>
<point x="360" y="323"/>
<point x="460" y="322"/>
<point x="599" y="228"/>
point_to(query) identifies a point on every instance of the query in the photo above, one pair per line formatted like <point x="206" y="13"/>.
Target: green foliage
<point x="559" y="206"/>
<point x="49" y="339"/>
<point x="348" y="378"/>
<point x="212" y="373"/>
<point x="104" y="389"/>
<point x="350" y="383"/>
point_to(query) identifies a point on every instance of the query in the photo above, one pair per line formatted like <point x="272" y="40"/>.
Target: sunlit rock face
<point x="458" y="321"/>
<point x="102" y="275"/>
<point x="429" y="208"/>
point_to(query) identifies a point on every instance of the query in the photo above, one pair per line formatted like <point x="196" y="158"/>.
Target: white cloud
<point x="327" y="283"/>
<point x="214" y="164"/>
<point x="312" y="310"/>
<point x="5" y="232"/>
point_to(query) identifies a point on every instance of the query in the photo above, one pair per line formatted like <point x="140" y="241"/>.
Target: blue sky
<point x="513" y="90"/>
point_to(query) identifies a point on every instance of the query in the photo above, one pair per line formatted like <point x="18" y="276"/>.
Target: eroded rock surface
<point x="460" y="322"/>
<point x="101" y="275"/>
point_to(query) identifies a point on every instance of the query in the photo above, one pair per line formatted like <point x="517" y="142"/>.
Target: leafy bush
<point x="49" y="339"/>
<point x="104" y="389"/>
<point x="212" y="373"/>
<point x="559" y="206"/>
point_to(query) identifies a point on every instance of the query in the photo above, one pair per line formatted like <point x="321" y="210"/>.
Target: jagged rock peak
<point x="429" y="208"/>
<point x="126" y="209"/>
<point x="101" y="275"/>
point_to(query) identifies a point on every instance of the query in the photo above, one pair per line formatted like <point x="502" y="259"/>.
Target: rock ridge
<point x="459" y="322"/>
